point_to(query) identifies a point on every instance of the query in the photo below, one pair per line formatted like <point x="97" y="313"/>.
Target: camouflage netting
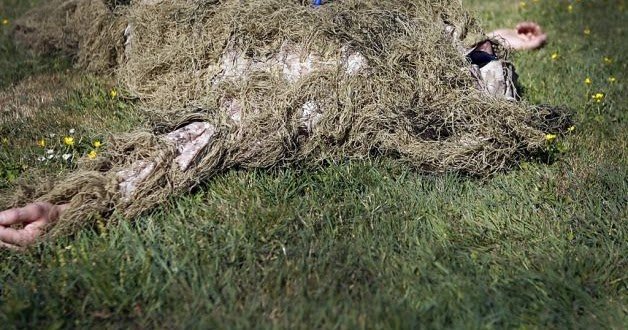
<point x="410" y="96"/>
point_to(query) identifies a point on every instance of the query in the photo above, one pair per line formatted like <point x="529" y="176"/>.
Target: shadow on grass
<point x="17" y="64"/>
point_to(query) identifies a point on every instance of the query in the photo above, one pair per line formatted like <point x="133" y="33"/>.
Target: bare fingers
<point x="538" y="41"/>
<point x="26" y="214"/>
<point x="529" y="29"/>
<point x="19" y="237"/>
<point x="4" y="245"/>
<point x="10" y="217"/>
<point x="34" y="216"/>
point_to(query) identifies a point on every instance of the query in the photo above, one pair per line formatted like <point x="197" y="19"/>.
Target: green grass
<point x="361" y="244"/>
<point x="15" y="62"/>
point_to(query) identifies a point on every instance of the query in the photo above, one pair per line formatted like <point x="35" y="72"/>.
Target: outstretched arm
<point x="189" y="141"/>
<point x="20" y="227"/>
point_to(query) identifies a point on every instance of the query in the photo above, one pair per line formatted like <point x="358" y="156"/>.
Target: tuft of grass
<point x="363" y="244"/>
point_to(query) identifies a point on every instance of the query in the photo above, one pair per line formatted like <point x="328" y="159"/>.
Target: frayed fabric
<point x="278" y="82"/>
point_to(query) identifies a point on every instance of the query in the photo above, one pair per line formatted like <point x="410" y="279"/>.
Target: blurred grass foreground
<point x="368" y="244"/>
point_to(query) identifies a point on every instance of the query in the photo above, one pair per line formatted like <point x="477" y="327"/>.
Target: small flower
<point x="50" y="151"/>
<point x="570" y="8"/>
<point x="587" y="31"/>
<point x="598" y="97"/>
<point x="612" y="79"/>
<point x="587" y="81"/>
<point x="555" y="56"/>
<point x="571" y="129"/>
<point x="51" y="156"/>
<point x="550" y="137"/>
<point x="608" y="60"/>
<point x="72" y="131"/>
<point x="5" y="21"/>
<point x="52" y="135"/>
<point x="113" y="93"/>
<point x="92" y="154"/>
<point x="97" y="144"/>
<point x="66" y="156"/>
<point x="68" y="140"/>
<point x="41" y="143"/>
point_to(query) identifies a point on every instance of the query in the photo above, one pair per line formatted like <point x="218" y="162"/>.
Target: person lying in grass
<point x="133" y="179"/>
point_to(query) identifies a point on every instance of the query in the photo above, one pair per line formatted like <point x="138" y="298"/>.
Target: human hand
<point x="529" y="30"/>
<point x="33" y="218"/>
<point x="525" y="36"/>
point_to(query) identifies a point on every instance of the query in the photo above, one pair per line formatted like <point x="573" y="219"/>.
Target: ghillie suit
<point x="265" y="83"/>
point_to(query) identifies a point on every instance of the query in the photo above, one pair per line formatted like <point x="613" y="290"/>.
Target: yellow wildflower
<point x="555" y="56"/>
<point x="550" y="137"/>
<point x="92" y="154"/>
<point x="587" y="81"/>
<point x="68" y="140"/>
<point x="571" y="128"/>
<point x="612" y="79"/>
<point x="5" y="21"/>
<point x="570" y="8"/>
<point x="41" y="143"/>
<point x="587" y="31"/>
<point x="113" y="93"/>
<point x="608" y="60"/>
<point x="97" y="144"/>
<point x="598" y="97"/>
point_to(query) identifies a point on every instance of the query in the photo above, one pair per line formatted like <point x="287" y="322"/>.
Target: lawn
<point x="368" y="244"/>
